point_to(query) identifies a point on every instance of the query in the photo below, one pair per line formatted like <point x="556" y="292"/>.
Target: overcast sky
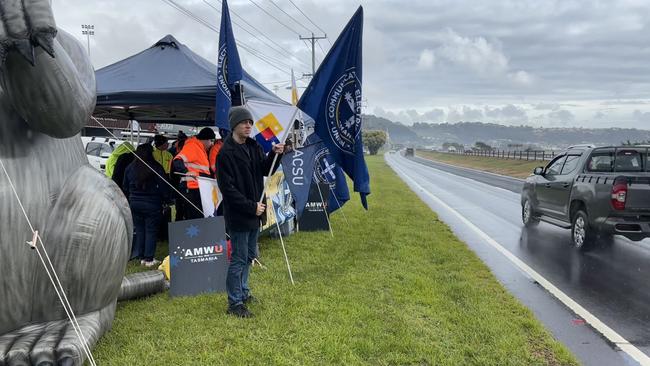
<point x="535" y="62"/>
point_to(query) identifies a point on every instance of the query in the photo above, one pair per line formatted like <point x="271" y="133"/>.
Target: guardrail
<point x="506" y="154"/>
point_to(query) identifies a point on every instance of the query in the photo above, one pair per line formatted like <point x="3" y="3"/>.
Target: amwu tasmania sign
<point x="198" y="256"/>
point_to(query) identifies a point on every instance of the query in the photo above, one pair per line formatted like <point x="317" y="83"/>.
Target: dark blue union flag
<point x="229" y="70"/>
<point x="313" y="162"/>
<point x="333" y="100"/>
<point x="298" y="169"/>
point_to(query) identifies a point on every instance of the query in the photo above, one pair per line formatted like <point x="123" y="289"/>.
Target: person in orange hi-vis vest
<point x="212" y="157"/>
<point x="191" y="162"/>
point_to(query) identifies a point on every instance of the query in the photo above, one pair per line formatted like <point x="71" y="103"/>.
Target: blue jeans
<point x="244" y="250"/>
<point x="146" y="219"/>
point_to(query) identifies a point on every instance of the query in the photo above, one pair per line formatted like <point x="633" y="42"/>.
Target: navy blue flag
<point x="326" y="170"/>
<point x="298" y="169"/>
<point x="333" y="100"/>
<point x="229" y="71"/>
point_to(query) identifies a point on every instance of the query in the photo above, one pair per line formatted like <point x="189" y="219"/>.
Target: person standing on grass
<point x="242" y="166"/>
<point x="192" y="162"/>
<point x="147" y="191"/>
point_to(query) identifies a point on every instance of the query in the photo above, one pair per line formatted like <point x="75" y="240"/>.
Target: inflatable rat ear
<point x="24" y="25"/>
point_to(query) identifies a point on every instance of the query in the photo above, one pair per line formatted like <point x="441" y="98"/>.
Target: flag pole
<point x="339" y="203"/>
<point x="327" y="216"/>
<point x="284" y="249"/>
<point x="275" y="158"/>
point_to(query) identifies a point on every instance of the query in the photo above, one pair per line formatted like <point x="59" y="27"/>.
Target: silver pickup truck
<point x="594" y="191"/>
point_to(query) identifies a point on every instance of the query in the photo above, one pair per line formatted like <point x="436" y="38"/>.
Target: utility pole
<point x="88" y="30"/>
<point x="313" y="40"/>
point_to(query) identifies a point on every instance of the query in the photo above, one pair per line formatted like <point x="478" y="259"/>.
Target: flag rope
<point x="151" y="168"/>
<point x="340" y="207"/>
<point x="327" y="216"/>
<point x="58" y="287"/>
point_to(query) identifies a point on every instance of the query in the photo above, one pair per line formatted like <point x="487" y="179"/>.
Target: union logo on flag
<point x="269" y="129"/>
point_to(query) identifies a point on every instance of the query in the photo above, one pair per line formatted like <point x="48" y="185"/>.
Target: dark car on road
<point x="594" y="191"/>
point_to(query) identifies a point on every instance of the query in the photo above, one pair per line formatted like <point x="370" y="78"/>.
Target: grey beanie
<point x="238" y="114"/>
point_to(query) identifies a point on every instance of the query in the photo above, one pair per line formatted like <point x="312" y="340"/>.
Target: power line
<point x="321" y="48"/>
<point x="311" y="21"/>
<point x="313" y="40"/>
<point x="282" y="81"/>
<point x="276" y="19"/>
<point x="280" y="50"/>
<point x="252" y="51"/>
<point x="287" y="14"/>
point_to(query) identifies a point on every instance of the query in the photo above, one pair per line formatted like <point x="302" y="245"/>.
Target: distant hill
<point x="398" y="132"/>
<point x="468" y="133"/>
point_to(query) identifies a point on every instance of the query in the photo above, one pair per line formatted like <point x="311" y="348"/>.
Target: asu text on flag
<point x="272" y="122"/>
<point x="313" y="163"/>
<point x="333" y="100"/>
<point x="298" y="168"/>
<point x="229" y="70"/>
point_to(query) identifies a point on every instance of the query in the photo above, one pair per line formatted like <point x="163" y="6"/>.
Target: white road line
<point x="472" y="170"/>
<point x="592" y="320"/>
<point x="472" y="182"/>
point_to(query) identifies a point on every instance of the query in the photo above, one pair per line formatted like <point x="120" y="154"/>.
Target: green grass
<point x="393" y="287"/>
<point x="510" y="167"/>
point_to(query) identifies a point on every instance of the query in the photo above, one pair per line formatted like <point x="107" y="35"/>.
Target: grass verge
<point x="393" y="287"/>
<point x="510" y="167"/>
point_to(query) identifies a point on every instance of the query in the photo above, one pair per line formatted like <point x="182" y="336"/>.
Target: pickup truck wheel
<point x="528" y="215"/>
<point x="581" y="233"/>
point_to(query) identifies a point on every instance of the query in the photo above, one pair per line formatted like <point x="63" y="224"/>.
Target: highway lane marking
<point x="466" y="178"/>
<point x="427" y="175"/>
<point x="474" y="170"/>
<point x="591" y="319"/>
<point x="509" y="195"/>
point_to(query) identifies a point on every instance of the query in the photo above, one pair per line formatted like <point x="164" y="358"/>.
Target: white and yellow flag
<point x="294" y="90"/>
<point x="211" y="196"/>
<point x="272" y="122"/>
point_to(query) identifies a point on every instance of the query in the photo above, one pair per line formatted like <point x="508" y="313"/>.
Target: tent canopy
<point x="167" y="82"/>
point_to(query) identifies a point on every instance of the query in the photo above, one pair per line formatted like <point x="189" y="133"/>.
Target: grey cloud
<point x="641" y="116"/>
<point x="411" y="115"/>
<point x="562" y="116"/>
<point x="547" y="106"/>
<point x="599" y="115"/>
<point x="509" y="112"/>
<point x="500" y="53"/>
<point x="464" y="114"/>
<point x="434" y="115"/>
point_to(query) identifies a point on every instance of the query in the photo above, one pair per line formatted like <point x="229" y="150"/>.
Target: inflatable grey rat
<point x="47" y="95"/>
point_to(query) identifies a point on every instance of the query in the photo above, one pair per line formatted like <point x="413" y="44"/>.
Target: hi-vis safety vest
<point x="214" y="152"/>
<point x="196" y="162"/>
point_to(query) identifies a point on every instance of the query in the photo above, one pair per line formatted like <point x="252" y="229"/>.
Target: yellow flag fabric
<point x="294" y="90"/>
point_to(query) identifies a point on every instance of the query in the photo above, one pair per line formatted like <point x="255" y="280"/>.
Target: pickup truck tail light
<point x="619" y="194"/>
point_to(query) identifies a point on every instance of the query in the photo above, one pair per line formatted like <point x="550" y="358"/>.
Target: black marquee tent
<point x="167" y="82"/>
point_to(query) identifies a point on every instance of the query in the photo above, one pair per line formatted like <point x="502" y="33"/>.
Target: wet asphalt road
<point x="611" y="281"/>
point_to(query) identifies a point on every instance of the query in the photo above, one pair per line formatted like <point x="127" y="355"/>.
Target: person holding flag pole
<point x="242" y="167"/>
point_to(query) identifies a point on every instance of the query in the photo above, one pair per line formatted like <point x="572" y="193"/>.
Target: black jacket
<point x="241" y="181"/>
<point x="120" y="168"/>
<point x="156" y="191"/>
